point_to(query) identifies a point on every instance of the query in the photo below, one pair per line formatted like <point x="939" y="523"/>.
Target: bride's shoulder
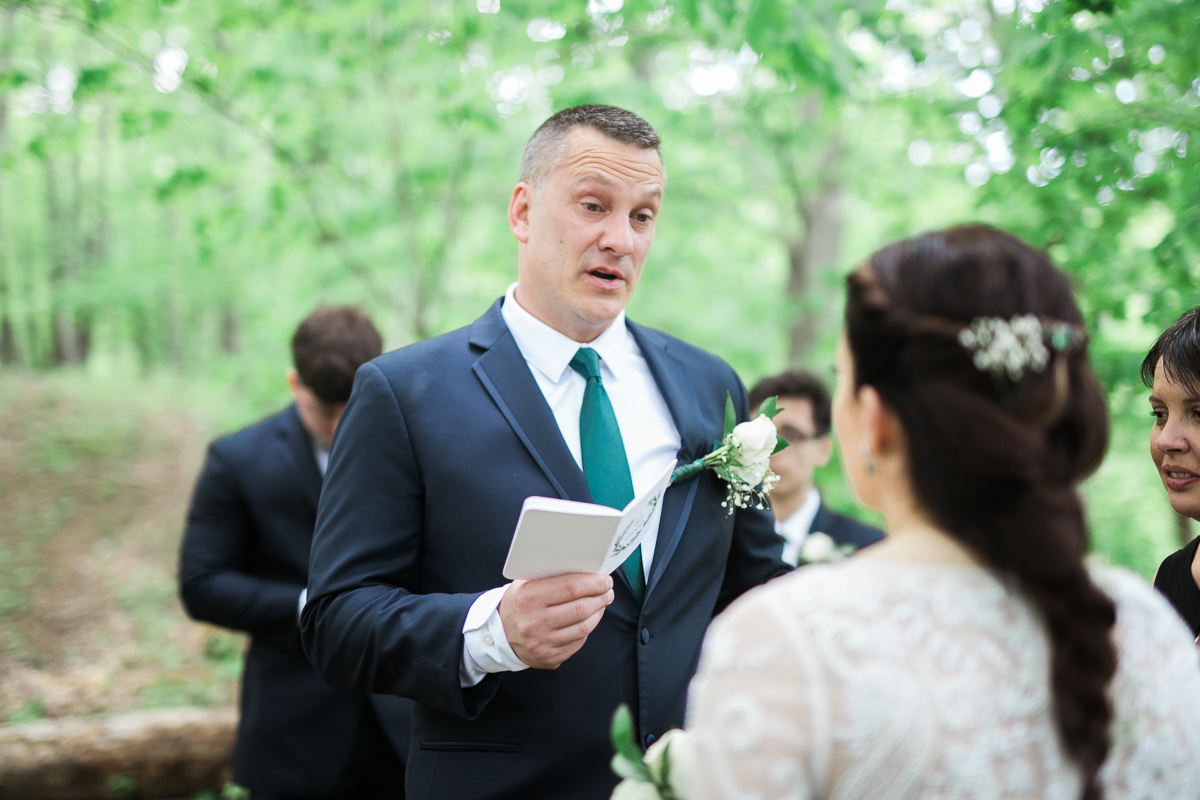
<point x="855" y="586"/>
<point x="1142" y="612"/>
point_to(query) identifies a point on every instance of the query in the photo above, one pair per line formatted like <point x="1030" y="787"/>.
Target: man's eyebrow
<point x="601" y="179"/>
<point x="596" y="177"/>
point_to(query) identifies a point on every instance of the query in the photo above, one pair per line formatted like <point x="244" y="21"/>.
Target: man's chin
<point x="600" y="313"/>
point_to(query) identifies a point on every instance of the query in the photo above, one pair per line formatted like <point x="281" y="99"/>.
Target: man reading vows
<point x="552" y="392"/>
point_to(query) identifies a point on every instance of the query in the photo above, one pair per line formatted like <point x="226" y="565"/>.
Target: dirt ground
<point x="95" y="478"/>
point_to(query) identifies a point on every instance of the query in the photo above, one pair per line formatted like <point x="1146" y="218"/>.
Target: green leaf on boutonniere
<point x="628" y="761"/>
<point x="780" y="444"/>
<point x="768" y="409"/>
<point x="730" y="415"/>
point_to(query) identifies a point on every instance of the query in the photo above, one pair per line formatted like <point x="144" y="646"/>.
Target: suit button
<point x="645" y="636"/>
<point x="488" y="640"/>
<point x="650" y="737"/>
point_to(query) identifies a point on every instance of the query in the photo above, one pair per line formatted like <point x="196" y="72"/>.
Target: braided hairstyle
<point x="995" y="461"/>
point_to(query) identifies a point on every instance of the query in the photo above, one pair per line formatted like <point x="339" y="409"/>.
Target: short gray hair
<point x="546" y="145"/>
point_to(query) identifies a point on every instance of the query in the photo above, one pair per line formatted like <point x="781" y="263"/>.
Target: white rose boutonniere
<point x="819" y="548"/>
<point x="661" y="774"/>
<point x="743" y="457"/>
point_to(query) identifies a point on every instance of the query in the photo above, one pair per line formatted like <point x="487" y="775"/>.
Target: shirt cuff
<point x="485" y="645"/>
<point x="300" y="604"/>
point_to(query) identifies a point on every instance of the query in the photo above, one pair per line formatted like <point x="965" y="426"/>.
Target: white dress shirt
<point x="321" y="454"/>
<point x="795" y="528"/>
<point x="647" y="430"/>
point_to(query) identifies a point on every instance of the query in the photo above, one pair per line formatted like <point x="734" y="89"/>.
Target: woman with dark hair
<point x="1172" y="371"/>
<point x="973" y="653"/>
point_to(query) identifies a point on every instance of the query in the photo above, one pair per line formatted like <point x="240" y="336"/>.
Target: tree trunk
<point x="229" y="330"/>
<point x="57" y="254"/>
<point x="163" y="753"/>
<point x="7" y="348"/>
<point x="809" y="258"/>
<point x="80" y="317"/>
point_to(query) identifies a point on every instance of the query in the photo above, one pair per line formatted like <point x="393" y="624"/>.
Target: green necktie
<point x="604" y="463"/>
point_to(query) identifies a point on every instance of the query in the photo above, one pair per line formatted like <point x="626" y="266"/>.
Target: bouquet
<point x="660" y="774"/>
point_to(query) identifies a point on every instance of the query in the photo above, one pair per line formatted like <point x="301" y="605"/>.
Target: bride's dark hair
<point x="994" y="461"/>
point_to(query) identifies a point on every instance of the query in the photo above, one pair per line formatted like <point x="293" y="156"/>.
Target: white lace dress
<point x="888" y="680"/>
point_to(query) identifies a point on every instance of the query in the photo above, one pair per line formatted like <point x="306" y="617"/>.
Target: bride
<point x="972" y="654"/>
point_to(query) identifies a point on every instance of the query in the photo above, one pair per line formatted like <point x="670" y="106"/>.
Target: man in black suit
<point x="551" y="392"/>
<point x="244" y="565"/>
<point x="804" y="420"/>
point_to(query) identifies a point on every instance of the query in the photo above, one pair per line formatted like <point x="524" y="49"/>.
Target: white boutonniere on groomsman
<point x="742" y="458"/>
<point x="819" y="548"/>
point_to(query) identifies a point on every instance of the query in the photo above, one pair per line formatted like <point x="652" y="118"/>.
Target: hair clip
<point x="1015" y="346"/>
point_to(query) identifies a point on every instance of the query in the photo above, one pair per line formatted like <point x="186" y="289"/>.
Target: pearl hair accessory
<point x="1015" y="346"/>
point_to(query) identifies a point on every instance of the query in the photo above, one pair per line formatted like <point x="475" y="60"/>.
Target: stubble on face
<point x="590" y="227"/>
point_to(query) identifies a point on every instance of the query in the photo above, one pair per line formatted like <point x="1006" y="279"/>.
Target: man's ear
<point x="293" y="380"/>
<point x="518" y="211"/>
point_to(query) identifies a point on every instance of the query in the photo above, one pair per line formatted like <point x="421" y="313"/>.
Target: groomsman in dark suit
<point x="804" y="420"/>
<point x="244" y="565"/>
<point x="552" y="392"/>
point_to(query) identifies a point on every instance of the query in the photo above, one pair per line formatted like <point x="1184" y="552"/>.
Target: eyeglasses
<point x="794" y="436"/>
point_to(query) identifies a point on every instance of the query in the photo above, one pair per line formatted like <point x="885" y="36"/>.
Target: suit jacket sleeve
<point x="215" y="577"/>
<point x="756" y="552"/>
<point x="366" y="625"/>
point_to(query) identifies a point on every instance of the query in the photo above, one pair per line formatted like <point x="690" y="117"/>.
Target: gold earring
<point x="864" y="450"/>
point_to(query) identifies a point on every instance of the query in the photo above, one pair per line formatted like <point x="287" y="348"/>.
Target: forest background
<point x="182" y="182"/>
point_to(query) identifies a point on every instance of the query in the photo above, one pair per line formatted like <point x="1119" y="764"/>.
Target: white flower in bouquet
<point x="633" y="789"/>
<point x="662" y="773"/>
<point x="742" y="458"/>
<point x="671" y="762"/>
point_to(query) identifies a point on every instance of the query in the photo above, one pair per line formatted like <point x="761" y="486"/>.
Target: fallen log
<point x="147" y="754"/>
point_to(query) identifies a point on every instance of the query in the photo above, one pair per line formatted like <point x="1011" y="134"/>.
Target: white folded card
<point x="558" y="537"/>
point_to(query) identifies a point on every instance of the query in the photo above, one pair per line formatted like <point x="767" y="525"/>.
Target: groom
<point x="552" y="392"/>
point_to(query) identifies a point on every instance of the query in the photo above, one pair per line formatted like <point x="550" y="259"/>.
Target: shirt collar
<point x="550" y="352"/>
<point x="801" y="520"/>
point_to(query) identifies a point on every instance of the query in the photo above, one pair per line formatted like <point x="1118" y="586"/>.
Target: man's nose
<point x="617" y="237"/>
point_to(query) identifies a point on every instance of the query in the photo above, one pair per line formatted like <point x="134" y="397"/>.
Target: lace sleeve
<point x="1156" y="695"/>
<point x="758" y="710"/>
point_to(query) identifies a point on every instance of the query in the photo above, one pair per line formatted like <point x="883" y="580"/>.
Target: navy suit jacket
<point x="843" y="529"/>
<point x="243" y="565"/>
<point x="439" y="446"/>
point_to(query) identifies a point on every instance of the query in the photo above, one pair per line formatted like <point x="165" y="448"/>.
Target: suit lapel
<point x="297" y="451"/>
<point x="505" y="375"/>
<point x="828" y="524"/>
<point x="676" y="388"/>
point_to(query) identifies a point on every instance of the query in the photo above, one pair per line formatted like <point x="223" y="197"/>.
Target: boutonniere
<point x="742" y="458"/>
<point x="819" y="548"/>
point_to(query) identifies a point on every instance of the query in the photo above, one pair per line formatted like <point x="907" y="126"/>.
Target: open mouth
<point x="1177" y="478"/>
<point x="606" y="275"/>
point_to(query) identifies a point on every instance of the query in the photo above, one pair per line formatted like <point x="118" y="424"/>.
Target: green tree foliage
<point x="180" y="182"/>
